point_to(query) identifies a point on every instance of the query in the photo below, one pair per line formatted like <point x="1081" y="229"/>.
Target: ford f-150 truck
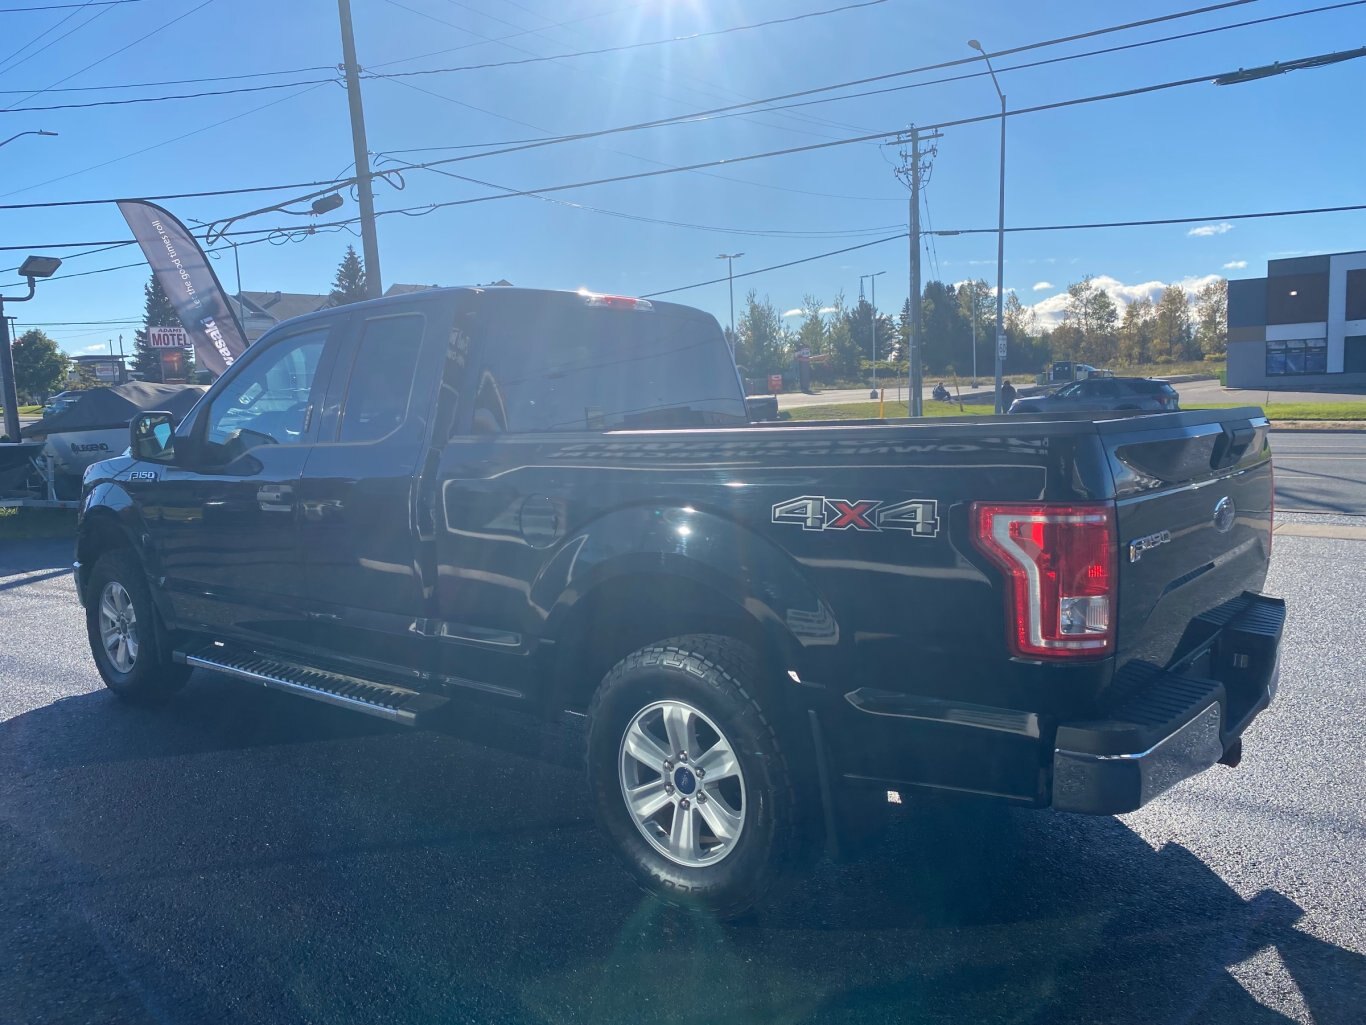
<point x="433" y="504"/>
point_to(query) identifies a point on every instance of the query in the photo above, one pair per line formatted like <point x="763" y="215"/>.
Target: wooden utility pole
<point x="364" y="186"/>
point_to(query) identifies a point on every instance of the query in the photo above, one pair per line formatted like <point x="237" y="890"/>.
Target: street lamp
<point x="730" y="259"/>
<point x="22" y="134"/>
<point x="33" y="268"/>
<point x="873" y="279"/>
<point x="1000" y="233"/>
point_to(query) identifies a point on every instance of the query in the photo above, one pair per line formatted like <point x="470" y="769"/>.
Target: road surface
<point x="242" y="856"/>
<point x="1192" y="393"/>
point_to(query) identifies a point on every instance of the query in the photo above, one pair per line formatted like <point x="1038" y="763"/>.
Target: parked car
<point x="446" y="503"/>
<point x="1103" y="393"/>
<point x="61" y="402"/>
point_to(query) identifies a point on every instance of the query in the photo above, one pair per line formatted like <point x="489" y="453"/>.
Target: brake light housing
<point x="617" y="302"/>
<point x="1060" y="563"/>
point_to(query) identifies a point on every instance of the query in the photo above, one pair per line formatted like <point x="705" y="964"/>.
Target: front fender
<point x="736" y="563"/>
<point x="109" y="518"/>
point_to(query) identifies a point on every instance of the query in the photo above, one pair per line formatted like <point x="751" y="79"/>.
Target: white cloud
<point x="793" y="313"/>
<point x="829" y="309"/>
<point x="1043" y="286"/>
<point x="1206" y="230"/>
<point x="100" y="347"/>
<point x="1236" y="265"/>
<point x="1050" y="311"/>
<point x="802" y="313"/>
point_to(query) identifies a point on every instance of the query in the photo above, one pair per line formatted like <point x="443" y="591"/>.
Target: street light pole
<point x="730" y="259"/>
<point x="1000" y="233"/>
<point x="22" y="134"/>
<point x="873" y="299"/>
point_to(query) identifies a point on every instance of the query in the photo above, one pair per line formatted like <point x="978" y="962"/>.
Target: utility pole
<point x="364" y="184"/>
<point x="730" y="259"/>
<point x="914" y="172"/>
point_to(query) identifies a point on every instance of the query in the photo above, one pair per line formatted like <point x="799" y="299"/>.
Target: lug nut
<point x="668" y="788"/>
<point x="683" y="757"/>
<point x="683" y="803"/>
<point x="701" y="772"/>
<point x="701" y="798"/>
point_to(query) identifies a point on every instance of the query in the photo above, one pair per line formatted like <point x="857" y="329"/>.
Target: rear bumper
<point x="1163" y="726"/>
<point x="1180" y="723"/>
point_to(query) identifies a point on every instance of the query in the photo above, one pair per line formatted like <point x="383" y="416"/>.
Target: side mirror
<point x="152" y="436"/>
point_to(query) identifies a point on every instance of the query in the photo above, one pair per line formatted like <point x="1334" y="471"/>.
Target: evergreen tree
<point x="762" y="344"/>
<point x="157" y="311"/>
<point x="349" y="284"/>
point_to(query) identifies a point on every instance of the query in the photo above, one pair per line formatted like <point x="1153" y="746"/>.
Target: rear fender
<point x="740" y="567"/>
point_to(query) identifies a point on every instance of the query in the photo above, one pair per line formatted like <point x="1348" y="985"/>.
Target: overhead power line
<point x="1156" y="221"/>
<point x="703" y="115"/>
<point x="816" y="146"/>
<point x="52" y="28"/>
<point x="114" y="53"/>
<point x="625" y="46"/>
<point x="65" y="7"/>
<point x="696" y="115"/>
<point x="976" y="231"/>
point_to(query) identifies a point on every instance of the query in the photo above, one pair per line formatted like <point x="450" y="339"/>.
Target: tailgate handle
<point x="1231" y="445"/>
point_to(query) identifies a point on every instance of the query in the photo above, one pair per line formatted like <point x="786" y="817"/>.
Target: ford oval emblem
<point x="1224" y="514"/>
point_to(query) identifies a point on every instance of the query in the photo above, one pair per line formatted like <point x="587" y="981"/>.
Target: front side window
<point x="269" y="402"/>
<point x="560" y="365"/>
<point x="381" y="383"/>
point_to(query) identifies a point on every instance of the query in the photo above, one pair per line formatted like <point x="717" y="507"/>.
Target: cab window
<point x="270" y="401"/>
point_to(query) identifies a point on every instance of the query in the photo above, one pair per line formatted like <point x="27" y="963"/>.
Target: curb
<point x="1320" y="426"/>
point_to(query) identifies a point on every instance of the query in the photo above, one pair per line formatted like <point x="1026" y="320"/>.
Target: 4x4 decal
<point x="816" y="512"/>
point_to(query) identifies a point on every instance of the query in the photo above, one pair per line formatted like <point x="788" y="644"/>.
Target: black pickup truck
<point x="430" y="505"/>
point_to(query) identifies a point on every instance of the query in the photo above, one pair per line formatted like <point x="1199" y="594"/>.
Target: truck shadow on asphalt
<point x="239" y="855"/>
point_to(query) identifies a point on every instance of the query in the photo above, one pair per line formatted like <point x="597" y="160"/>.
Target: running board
<point x="397" y="704"/>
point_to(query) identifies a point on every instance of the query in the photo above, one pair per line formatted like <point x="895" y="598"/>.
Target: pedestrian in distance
<point x="1008" y="395"/>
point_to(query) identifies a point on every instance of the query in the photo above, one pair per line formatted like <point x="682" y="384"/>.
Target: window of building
<point x="1356" y="295"/>
<point x="1354" y="354"/>
<point x="1297" y="357"/>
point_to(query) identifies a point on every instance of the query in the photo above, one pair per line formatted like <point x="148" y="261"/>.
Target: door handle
<point x="275" y="498"/>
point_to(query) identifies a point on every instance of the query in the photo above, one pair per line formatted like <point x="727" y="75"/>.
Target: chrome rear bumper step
<point x="383" y="700"/>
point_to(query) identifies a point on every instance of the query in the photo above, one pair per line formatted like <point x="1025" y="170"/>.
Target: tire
<point x="126" y="638"/>
<point x="698" y="688"/>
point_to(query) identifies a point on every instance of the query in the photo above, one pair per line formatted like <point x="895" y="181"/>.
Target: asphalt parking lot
<point x="242" y="856"/>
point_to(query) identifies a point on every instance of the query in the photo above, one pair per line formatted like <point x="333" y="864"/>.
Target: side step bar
<point x="397" y="704"/>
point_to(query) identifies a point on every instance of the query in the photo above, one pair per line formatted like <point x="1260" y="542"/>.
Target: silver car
<point x="1104" y="393"/>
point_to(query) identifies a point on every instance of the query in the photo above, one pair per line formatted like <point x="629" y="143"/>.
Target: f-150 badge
<point x="816" y="512"/>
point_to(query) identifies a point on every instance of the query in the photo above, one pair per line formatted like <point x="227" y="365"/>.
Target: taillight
<point x="1060" y="567"/>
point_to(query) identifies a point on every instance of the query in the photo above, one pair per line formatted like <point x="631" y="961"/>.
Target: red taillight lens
<point x="1059" y="562"/>
<point x="619" y="302"/>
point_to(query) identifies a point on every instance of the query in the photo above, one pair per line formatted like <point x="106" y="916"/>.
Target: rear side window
<point x="557" y="364"/>
<point x="1151" y="388"/>
<point x="382" y="373"/>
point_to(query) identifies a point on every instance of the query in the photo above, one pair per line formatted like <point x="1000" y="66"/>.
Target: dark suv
<point x="1102" y="393"/>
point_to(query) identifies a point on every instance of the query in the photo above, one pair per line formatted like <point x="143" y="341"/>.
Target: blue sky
<point x="1291" y="141"/>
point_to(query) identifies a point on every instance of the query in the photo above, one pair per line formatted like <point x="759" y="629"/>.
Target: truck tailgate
<point x="1194" y="505"/>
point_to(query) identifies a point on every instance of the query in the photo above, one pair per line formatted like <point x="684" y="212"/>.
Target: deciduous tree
<point x="1172" y="335"/>
<point x="1211" y="316"/>
<point x="39" y="366"/>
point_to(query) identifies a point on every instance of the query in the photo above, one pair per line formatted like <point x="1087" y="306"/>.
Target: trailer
<point x="43" y="471"/>
<point x="28" y="478"/>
